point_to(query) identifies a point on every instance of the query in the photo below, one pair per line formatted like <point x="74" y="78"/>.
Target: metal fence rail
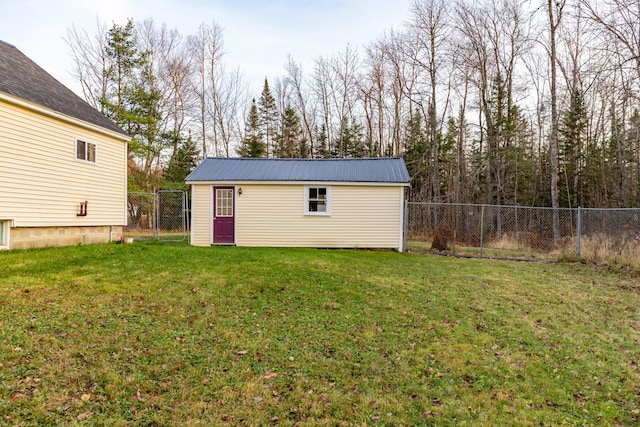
<point x="160" y="215"/>
<point x="522" y="232"/>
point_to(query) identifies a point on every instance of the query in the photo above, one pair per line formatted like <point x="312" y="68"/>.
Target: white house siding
<point x="42" y="184"/>
<point x="361" y="217"/>
<point x="201" y="219"/>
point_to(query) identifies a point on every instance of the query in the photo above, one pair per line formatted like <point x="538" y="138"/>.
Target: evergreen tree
<point x="501" y="130"/>
<point x="618" y="158"/>
<point x="133" y="100"/>
<point x="125" y="58"/>
<point x="350" y="142"/>
<point x="633" y="143"/>
<point x="268" y="117"/>
<point x="182" y="161"/>
<point x="447" y="158"/>
<point x="144" y="117"/>
<point x="571" y="132"/>
<point x="253" y="143"/>
<point x="322" y="144"/>
<point x="355" y="146"/>
<point x="415" y="157"/>
<point x="290" y="142"/>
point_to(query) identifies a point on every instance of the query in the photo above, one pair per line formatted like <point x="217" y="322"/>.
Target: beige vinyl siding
<point x="201" y="215"/>
<point x="42" y="183"/>
<point x="361" y="216"/>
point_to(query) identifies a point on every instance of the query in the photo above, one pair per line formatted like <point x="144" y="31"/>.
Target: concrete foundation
<point x="39" y="237"/>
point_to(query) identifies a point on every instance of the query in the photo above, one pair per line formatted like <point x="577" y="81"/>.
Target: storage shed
<point x="323" y="203"/>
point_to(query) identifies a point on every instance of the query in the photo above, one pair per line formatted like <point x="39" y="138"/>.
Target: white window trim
<point x="5" y="241"/>
<point x="306" y="210"/>
<point x="230" y="208"/>
<point x="86" y="141"/>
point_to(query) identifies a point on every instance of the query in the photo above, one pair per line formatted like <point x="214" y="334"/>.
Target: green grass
<point x="153" y="334"/>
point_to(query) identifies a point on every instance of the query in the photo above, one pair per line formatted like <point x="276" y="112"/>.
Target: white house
<point x="63" y="165"/>
<point x="324" y="203"/>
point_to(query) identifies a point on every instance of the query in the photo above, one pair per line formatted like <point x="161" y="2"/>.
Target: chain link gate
<point x="160" y="215"/>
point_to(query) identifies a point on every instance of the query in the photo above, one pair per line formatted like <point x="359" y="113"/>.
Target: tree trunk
<point x="554" y="22"/>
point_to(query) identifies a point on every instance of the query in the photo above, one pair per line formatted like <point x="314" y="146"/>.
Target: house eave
<point x="36" y="108"/>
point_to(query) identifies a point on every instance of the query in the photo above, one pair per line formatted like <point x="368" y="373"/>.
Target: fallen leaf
<point x="257" y="399"/>
<point x="85" y="397"/>
<point x="83" y="416"/>
<point x="243" y="352"/>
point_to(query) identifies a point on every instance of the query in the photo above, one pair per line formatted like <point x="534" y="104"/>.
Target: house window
<point x="317" y="201"/>
<point x="85" y="151"/>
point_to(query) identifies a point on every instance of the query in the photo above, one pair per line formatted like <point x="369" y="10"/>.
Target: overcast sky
<point x="258" y="35"/>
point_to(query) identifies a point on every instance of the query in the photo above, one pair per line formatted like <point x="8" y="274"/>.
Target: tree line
<point x="488" y="101"/>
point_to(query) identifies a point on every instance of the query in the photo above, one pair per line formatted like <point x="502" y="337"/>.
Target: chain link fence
<point x="524" y="232"/>
<point x="160" y="215"/>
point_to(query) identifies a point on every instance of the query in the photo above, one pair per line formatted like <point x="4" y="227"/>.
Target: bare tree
<point x="321" y="90"/>
<point x="232" y="99"/>
<point x="374" y="87"/>
<point x="165" y="55"/>
<point x="91" y="62"/>
<point x="429" y="21"/>
<point x="495" y="34"/>
<point x="344" y="90"/>
<point x="301" y="99"/>
<point x="554" y="9"/>
<point x="207" y="47"/>
<point x="620" y="19"/>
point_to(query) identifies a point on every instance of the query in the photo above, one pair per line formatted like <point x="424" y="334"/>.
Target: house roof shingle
<point x="375" y="170"/>
<point x="21" y="77"/>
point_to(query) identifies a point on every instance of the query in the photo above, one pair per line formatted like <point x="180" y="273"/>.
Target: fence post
<point x="154" y="215"/>
<point x="578" y="231"/>
<point x="185" y="212"/>
<point x="481" y="228"/>
<point x="405" y="227"/>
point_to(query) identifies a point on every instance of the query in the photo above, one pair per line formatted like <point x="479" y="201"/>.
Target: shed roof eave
<point x="355" y="183"/>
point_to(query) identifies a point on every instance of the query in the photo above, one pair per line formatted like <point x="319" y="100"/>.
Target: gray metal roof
<point x="21" y="77"/>
<point x="380" y="170"/>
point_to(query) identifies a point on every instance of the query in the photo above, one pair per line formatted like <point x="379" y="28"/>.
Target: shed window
<point x="85" y="151"/>
<point x="224" y="202"/>
<point x="317" y="201"/>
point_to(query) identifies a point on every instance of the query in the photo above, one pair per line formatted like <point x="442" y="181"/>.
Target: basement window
<point x="4" y="234"/>
<point x="317" y="201"/>
<point x="85" y="151"/>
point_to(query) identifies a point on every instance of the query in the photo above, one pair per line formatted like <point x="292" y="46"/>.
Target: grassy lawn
<point x="152" y="334"/>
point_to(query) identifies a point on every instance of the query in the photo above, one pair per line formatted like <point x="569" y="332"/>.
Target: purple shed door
<point x="223" y="215"/>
